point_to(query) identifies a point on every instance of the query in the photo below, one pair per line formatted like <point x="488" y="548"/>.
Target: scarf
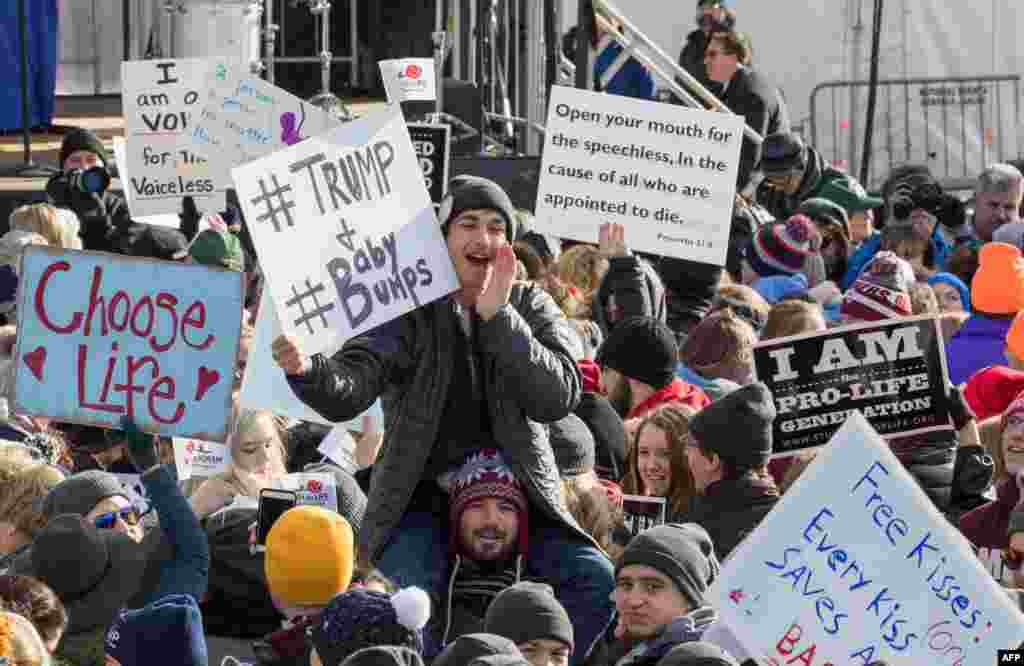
<point x="675" y="391"/>
<point x="683" y="629"/>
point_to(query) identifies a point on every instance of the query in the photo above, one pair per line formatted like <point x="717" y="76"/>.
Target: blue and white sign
<point x="104" y="336"/>
<point x="855" y="565"/>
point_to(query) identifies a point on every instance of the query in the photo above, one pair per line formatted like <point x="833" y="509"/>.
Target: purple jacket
<point x="978" y="344"/>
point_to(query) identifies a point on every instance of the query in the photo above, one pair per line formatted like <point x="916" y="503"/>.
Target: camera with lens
<point x="947" y="209"/>
<point x="94" y="180"/>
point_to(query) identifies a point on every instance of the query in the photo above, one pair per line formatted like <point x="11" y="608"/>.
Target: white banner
<point x="345" y="230"/>
<point x="666" y="172"/>
<point x="200" y="459"/>
<point x="409" y="80"/>
<point x="312" y="488"/>
<point x="161" y="100"/>
<point x="855" y="564"/>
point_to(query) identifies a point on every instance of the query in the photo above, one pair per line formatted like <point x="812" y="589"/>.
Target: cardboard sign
<point x="641" y="513"/>
<point x="244" y="117"/>
<point x="432" y="143"/>
<point x="160" y="99"/>
<point x="313" y="489"/>
<point x="104" y="336"/>
<point x="666" y="172"/>
<point x="893" y="372"/>
<point x="409" y="80"/>
<point x="345" y="231"/>
<point x="264" y="385"/>
<point x="855" y="564"/>
<point x="196" y="458"/>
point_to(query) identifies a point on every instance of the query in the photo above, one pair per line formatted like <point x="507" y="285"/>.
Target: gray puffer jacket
<point x="529" y="354"/>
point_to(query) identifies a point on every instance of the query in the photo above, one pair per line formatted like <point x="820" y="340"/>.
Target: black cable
<point x="869" y="124"/>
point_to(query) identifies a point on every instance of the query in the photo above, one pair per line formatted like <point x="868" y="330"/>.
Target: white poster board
<point x="161" y="100"/>
<point x="243" y="118"/>
<point x="200" y="459"/>
<point x="666" y="172"/>
<point x="121" y="158"/>
<point x="409" y="80"/>
<point x="264" y="385"/>
<point x="313" y="488"/>
<point x="855" y="564"/>
<point x="345" y="231"/>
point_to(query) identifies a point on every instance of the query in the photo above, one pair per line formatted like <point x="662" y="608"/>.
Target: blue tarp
<point x="42" y="62"/>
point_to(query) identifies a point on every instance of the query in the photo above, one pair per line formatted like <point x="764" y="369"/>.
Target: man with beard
<point x="638" y="368"/>
<point x="489" y="517"/>
<point x="485" y="367"/>
<point x="659" y="591"/>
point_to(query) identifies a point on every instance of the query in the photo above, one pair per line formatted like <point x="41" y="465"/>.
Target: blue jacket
<point x="189" y="567"/>
<point x="632" y="79"/>
<point x="978" y="344"/>
<point x="867" y="250"/>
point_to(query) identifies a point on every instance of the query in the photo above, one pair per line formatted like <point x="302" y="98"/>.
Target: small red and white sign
<point x="409" y="80"/>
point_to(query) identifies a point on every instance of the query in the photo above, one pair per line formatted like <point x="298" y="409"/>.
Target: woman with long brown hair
<point x="656" y="464"/>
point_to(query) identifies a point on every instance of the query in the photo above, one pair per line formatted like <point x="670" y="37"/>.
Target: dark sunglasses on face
<point x="130" y="515"/>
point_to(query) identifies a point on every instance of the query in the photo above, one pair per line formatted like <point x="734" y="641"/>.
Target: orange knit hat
<point x="998" y="286"/>
<point x="1015" y="336"/>
<point x="309" y="556"/>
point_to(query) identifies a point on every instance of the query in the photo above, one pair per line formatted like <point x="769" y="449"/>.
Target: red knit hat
<point x="991" y="390"/>
<point x="781" y="248"/>
<point x="882" y="291"/>
<point x="485" y="474"/>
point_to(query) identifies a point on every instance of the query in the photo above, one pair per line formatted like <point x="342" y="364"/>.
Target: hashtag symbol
<point x="317" y="311"/>
<point x="267" y="199"/>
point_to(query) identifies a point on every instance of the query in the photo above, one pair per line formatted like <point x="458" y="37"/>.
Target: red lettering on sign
<point x="44" y="318"/>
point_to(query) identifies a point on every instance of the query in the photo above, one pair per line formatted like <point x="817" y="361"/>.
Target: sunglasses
<point x="130" y="515"/>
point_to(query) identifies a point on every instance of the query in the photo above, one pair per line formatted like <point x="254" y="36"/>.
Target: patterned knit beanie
<point x="882" y="291"/>
<point x="485" y="474"/>
<point x="781" y="248"/>
<point x="363" y="618"/>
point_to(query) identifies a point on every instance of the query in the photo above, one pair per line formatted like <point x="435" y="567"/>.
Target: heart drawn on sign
<point x="207" y="378"/>
<point x="35" y="361"/>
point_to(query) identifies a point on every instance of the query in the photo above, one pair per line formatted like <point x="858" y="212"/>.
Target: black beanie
<point x="384" y="655"/>
<point x="783" y="153"/>
<point x="697" y="653"/>
<point x="641" y="348"/>
<point x="738" y="427"/>
<point x="690" y="287"/>
<point x="573" y="444"/>
<point x="468" y="647"/>
<point x="472" y="192"/>
<point x="684" y="553"/>
<point x="609" y="433"/>
<point x="528" y="612"/>
<point x="79" y="138"/>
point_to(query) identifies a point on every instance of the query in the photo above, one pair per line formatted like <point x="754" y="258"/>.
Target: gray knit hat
<point x="384" y="655"/>
<point x="527" y="612"/>
<point x="472" y="192"/>
<point x="573" y="444"/>
<point x="684" y="553"/>
<point x="500" y="660"/>
<point x="469" y="647"/>
<point x="81" y="492"/>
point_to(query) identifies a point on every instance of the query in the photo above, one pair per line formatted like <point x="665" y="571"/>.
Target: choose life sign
<point x="666" y="172"/>
<point x="104" y="336"/>
<point x="855" y="564"/>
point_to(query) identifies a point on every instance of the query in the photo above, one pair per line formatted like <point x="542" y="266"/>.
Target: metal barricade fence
<point x="955" y="125"/>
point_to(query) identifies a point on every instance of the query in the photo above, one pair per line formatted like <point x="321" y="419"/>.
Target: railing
<point x="955" y="125"/>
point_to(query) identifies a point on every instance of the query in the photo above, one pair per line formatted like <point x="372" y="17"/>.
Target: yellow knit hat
<point x="309" y="556"/>
<point x="998" y="286"/>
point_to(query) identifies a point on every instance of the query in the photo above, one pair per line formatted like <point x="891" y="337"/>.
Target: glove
<point x="959" y="411"/>
<point x="189" y="218"/>
<point x="141" y="447"/>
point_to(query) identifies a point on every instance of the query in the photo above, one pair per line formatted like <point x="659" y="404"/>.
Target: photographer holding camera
<point x="928" y="210"/>
<point x="106" y="225"/>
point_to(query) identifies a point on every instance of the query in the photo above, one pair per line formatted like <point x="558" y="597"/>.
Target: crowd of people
<point x="483" y="522"/>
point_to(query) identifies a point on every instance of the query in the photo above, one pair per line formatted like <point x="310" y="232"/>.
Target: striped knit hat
<point x="781" y="248"/>
<point x="882" y="291"/>
<point x="485" y="474"/>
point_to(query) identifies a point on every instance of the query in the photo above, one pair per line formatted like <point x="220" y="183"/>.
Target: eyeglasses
<point x="105" y="521"/>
